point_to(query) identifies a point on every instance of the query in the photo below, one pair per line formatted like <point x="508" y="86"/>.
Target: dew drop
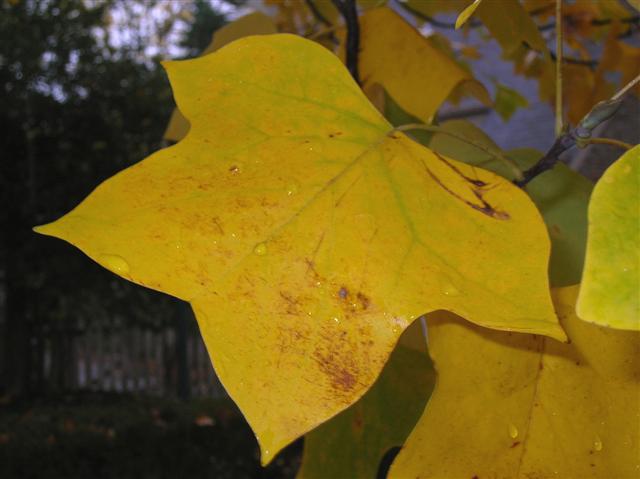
<point x="260" y="249"/>
<point x="448" y="288"/>
<point x="336" y="320"/>
<point x="115" y="263"/>
<point x="513" y="431"/>
<point x="597" y="443"/>
<point x="292" y="188"/>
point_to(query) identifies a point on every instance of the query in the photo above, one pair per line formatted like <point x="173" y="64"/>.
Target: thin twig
<point x="559" y="54"/>
<point x="626" y="88"/>
<point x="317" y="13"/>
<point x="605" y="141"/>
<point x="517" y="172"/>
<point x="575" y="61"/>
<point x="350" y="13"/>
<point x="325" y="32"/>
<point x="601" y="112"/>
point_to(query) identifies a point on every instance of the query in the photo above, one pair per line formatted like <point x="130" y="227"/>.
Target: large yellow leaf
<point x="416" y="74"/>
<point x="252" y="24"/>
<point x="307" y="235"/>
<point x="610" y="294"/>
<point x="522" y="406"/>
<point x="353" y="444"/>
<point x="560" y="194"/>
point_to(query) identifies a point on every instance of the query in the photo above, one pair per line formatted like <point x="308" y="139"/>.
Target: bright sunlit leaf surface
<point x="307" y="235"/>
<point x="520" y="406"/>
<point x="610" y="294"/>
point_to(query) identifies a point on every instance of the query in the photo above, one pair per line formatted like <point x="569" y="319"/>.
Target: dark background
<point x="98" y="377"/>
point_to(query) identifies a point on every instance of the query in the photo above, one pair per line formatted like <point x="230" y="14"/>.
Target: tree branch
<point x="348" y="10"/>
<point x="601" y="112"/>
<point x="559" y="53"/>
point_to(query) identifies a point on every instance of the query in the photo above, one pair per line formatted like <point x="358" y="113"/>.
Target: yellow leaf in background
<point x="510" y="25"/>
<point x="466" y="13"/>
<point x="520" y="406"/>
<point x="307" y="235"/>
<point x="353" y="444"/>
<point x="419" y="76"/>
<point x="177" y="128"/>
<point x="433" y="7"/>
<point x="610" y="294"/>
<point x="253" y="24"/>
<point x="579" y="94"/>
<point x="507" y="101"/>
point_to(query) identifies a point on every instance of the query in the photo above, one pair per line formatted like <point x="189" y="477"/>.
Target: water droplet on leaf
<point x="115" y="263"/>
<point x="448" y="288"/>
<point x="260" y="249"/>
<point x="597" y="443"/>
<point x="513" y="431"/>
<point x="292" y="188"/>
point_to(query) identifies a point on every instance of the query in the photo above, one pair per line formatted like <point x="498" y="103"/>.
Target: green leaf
<point x="507" y="101"/>
<point x="610" y="294"/>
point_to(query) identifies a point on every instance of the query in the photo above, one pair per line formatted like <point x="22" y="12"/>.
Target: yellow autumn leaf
<point x="466" y="13"/>
<point x="433" y="7"/>
<point x="307" y="234"/>
<point x="520" y="406"/>
<point x="416" y="74"/>
<point x="354" y="443"/>
<point x="610" y="294"/>
<point x="252" y="24"/>
<point x="510" y="24"/>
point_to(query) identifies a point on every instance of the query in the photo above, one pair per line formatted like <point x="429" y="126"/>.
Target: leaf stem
<point x="601" y="112"/>
<point x="517" y="172"/>
<point x="626" y="88"/>
<point x="559" y="55"/>
<point x="605" y="141"/>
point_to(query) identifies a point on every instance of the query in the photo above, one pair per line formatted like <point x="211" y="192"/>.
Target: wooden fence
<point x="128" y="360"/>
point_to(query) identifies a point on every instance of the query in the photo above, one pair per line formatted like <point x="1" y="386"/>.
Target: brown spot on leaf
<point x="234" y="169"/>
<point x="292" y="303"/>
<point x="364" y="300"/>
<point x="484" y="207"/>
<point x="515" y="444"/>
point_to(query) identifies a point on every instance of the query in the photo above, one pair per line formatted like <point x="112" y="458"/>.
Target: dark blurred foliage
<point x="74" y="111"/>
<point x="205" y="20"/>
<point x="127" y="437"/>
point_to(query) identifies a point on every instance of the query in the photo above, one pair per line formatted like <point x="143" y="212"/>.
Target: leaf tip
<point x="48" y="229"/>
